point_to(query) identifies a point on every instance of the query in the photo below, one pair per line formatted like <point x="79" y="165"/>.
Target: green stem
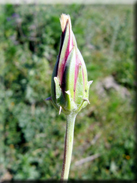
<point x="68" y="145"/>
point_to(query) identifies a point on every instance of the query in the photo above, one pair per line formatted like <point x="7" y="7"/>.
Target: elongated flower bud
<point x="69" y="86"/>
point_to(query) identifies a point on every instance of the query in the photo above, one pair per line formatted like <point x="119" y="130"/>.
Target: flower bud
<point x="69" y="85"/>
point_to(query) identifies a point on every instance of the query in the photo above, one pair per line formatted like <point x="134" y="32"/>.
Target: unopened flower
<point x="69" y="85"/>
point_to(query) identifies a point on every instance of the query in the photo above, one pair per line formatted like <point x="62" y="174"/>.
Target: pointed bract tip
<point x="85" y="99"/>
<point x="68" y="92"/>
<point x="49" y="98"/>
<point x="90" y="82"/>
<point x="60" y="108"/>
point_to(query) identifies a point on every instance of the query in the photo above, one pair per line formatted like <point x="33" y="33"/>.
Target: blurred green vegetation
<point x="32" y="130"/>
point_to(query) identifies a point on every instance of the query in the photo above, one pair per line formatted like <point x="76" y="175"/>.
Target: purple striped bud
<point x="69" y="86"/>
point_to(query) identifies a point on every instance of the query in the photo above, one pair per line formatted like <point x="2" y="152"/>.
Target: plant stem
<point x="68" y="145"/>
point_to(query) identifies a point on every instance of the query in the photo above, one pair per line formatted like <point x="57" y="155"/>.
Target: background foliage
<point x="32" y="131"/>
